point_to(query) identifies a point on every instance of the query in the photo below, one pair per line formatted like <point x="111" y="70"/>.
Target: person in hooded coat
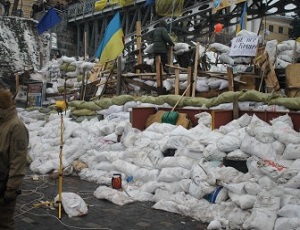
<point x="161" y="40"/>
<point x="14" y="141"/>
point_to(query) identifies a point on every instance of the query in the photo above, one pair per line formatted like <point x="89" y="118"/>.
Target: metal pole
<point x="60" y="182"/>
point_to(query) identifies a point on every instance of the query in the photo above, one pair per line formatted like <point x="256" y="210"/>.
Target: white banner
<point x="244" y="46"/>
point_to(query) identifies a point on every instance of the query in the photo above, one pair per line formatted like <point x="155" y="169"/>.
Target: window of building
<point x="271" y="28"/>
<point x="280" y="29"/>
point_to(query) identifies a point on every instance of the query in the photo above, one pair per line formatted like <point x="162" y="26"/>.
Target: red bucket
<point x="116" y="181"/>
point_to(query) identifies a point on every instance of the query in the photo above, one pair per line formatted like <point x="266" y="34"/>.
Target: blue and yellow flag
<point x="50" y="19"/>
<point x="112" y="43"/>
<point x="243" y="20"/>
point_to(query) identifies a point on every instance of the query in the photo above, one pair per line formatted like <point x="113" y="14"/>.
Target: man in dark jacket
<point x="14" y="140"/>
<point x="6" y="7"/>
<point x="161" y="40"/>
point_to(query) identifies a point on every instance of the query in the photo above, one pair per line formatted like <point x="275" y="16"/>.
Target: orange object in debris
<point x="116" y="181"/>
<point x="218" y="28"/>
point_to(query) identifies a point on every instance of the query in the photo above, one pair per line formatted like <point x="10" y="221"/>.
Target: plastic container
<point x="116" y="181"/>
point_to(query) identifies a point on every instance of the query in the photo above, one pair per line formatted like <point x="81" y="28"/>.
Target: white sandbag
<point x="125" y="167"/>
<point x="229" y="142"/>
<point x="293" y="44"/>
<point x="200" y="190"/>
<point x="285" y="134"/>
<point x="115" y="196"/>
<point x="289" y="199"/>
<point x="198" y="174"/>
<point x="226" y="59"/>
<point x="237" y="154"/>
<point x="252" y="188"/>
<point x="252" y="146"/>
<point x="284" y="223"/>
<point x="291" y="152"/>
<point x="183" y="162"/>
<point x="181" y="45"/>
<point x="290" y="211"/>
<point x="140" y="162"/>
<point x="169" y="206"/>
<point x="155" y="156"/>
<point x="295" y="164"/>
<point x="244" y="201"/>
<point x="283" y="46"/>
<point x="265" y="208"/>
<point x="190" y="153"/>
<point x="219" y="195"/>
<point x="163" y="128"/>
<point x="219" y="47"/>
<point x="175" y="142"/>
<point x="120" y="127"/>
<point x="271" y="168"/>
<point x="202" y="86"/>
<point x="214" y="225"/>
<point x="72" y="204"/>
<point x="145" y="175"/>
<point x="178" y="186"/>
<point x="265" y="182"/>
<point x="286" y="119"/>
<point x="237" y="188"/>
<point x="173" y="174"/>
<point x="112" y="137"/>
<point x="212" y="152"/>
<point x="149" y="49"/>
<point x="285" y="57"/>
<point x="230" y="175"/>
<point x="195" y="146"/>
<point x="281" y="64"/>
<point x="294" y="182"/>
<point x="150" y="186"/>
<point x="271" y="49"/>
<point x="103" y="165"/>
<point x="229" y="127"/>
<point x="223" y="85"/>
<point x="214" y="83"/>
<point x="68" y="59"/>
<point x="204" y="118"/>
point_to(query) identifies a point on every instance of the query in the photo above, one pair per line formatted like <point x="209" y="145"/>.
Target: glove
<point x="11" y="195"/>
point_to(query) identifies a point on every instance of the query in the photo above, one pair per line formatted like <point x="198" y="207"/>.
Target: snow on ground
<point x="194" y="182"/>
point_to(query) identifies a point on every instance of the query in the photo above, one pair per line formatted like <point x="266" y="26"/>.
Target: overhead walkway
<point x="198" y="18"/>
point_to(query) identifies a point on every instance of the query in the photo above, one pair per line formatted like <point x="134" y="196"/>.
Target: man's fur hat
<point x="6" y="99"/>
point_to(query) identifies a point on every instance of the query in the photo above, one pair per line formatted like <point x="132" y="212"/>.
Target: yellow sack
<point x="100" y="5"/>
<point x="125" y="2"/>
<point x="169" y="7"/>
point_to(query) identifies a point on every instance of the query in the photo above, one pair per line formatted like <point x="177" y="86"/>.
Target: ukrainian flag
<point x="112" y="43"/>
<point x="243" y="20"/>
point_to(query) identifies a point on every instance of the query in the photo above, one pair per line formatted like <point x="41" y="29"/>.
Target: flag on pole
<point x="112" y="43"/>
<point x="50" y="19"/>
<point x="243" y="20"/>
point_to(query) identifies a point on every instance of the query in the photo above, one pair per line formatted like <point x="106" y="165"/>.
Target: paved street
<point x="102" y="214"/>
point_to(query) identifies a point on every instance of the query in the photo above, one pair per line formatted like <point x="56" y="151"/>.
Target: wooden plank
<point x="189" y="80"/>
<point x="139" y="43"/>
<point x="177" y="70"/>
<point x="195" y="77"/>
<point x="230" y="79"/>
<point x="140" y="84"/>
<point x="158" y="68"/>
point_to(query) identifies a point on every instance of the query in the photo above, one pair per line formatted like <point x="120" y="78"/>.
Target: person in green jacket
<point x="161" y="40"/>
<point x="14" y="141"/>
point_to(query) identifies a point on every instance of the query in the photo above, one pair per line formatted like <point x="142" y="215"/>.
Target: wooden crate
<point x="292" y="80"/>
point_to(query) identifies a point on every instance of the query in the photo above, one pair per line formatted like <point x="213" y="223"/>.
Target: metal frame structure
<point x="197" y="19"/>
